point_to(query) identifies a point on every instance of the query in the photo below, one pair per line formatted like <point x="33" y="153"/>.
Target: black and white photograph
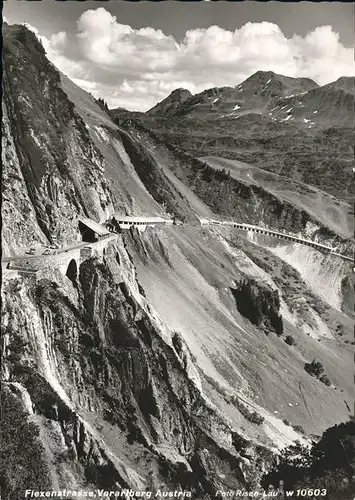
<point x="177" y="293"/>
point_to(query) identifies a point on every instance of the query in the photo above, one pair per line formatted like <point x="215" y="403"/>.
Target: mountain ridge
<point x="262" y="92"/>
<point x="254" y="128"/>
<point x="284" y="84"/>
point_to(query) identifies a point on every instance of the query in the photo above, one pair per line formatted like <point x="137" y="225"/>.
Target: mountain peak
<point x="262" y="75"/>
<point x="170" y="103"/>
<point x="345" y="83"/>
<point x="268" y="82"/>
<point x="181" y="91"/>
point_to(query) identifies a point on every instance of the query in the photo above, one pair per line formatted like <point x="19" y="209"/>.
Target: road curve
<point x="277" y="234"/>
<point x="204" y="222"/>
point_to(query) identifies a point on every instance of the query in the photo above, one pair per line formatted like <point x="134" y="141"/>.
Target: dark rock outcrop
<point x="258" y="303"/>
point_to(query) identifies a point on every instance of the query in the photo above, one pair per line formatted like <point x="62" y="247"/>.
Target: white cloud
<point x="84" y="84"/>
<point x="135" y="68"/>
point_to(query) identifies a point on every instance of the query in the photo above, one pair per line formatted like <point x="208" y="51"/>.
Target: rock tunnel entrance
<point x="72" y="271"/>
<point x="87" y="233"/>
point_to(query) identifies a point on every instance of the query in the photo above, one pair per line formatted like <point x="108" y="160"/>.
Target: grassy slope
<point x="130" y="193"/>
<point x="325" y="208"/>
<point x="285" y="148"/>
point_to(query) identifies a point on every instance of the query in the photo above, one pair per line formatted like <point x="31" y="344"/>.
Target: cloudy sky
<point x="133" y="54"/>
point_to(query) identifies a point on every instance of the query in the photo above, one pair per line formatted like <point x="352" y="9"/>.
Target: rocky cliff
<point x="102" y="390"/>
<point x="51" y="162"/>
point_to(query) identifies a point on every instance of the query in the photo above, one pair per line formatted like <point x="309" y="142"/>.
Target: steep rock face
<point x="49" y="153"/>
<point x="92" y="363"/>
<point x="17" y="208"/>
<point x="189" y="270"/>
